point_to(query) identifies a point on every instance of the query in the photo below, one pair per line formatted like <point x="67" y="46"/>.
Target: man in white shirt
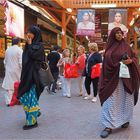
<point x="13" y="65"/>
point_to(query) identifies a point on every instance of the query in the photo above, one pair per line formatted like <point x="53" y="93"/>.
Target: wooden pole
<point x="64" y="41"/>
<point x="74" y="49"/>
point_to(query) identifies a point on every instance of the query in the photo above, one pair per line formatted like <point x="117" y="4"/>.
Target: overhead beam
<point x="60" y="2"/>
<point x="54" y="17"/>
<point x="47" y="9"/>
<point x="59" y="10"/>
<point x="68" y="19"/>
<point x="53" y="9"/>
<point x="88" y="3"/>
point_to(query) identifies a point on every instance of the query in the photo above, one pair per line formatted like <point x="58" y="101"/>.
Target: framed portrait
<point x="118" y="18"/>
<point x="86" y="22"/>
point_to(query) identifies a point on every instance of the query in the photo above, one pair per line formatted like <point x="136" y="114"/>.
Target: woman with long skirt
<point x="30" y="86"/>
<point x="118" y="95"/>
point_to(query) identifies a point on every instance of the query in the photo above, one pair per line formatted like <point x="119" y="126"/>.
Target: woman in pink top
<point x="81" y="65"/>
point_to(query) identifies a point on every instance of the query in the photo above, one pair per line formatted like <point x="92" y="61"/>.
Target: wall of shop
<point x="30" y="19"/>
<point x="11" y="26"/>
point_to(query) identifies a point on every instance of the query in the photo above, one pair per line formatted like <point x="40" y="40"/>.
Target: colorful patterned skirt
<point x="30" y="106"/>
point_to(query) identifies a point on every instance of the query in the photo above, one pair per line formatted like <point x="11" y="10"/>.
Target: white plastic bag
<point x="124" y="71"/>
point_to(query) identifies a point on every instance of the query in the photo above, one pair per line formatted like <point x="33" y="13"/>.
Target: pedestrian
<point x="118" y="95"/>
<point x="66" y="82"/>
<point x="30" y="87"/>
<point x="93" y="58"/>
<point x="80" y="62"/>
<point x="13" y="65"/>
<point x="53" y="58"/>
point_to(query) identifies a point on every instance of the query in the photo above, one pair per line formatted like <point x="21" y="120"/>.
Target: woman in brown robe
<point x="118" y="95"/>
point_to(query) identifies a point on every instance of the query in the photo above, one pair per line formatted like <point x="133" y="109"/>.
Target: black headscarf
<point x="110" y="70"/>
<point x="33" y="55"/>
<point x="37" y="34"/>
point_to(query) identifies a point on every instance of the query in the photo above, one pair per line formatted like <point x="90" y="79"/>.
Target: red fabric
<point x="81" y="62"/>
<point x="96" y="71"/>
<point x="14" y="100"/>
<point x="70" y="71"/>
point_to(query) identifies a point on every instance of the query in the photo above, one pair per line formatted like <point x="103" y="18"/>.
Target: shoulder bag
<point x="45" y="74"/>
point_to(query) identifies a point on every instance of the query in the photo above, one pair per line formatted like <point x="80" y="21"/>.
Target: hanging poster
<point x="118" y="18"/>
<point x="86" y="22"/>
<point x="14" y="20"/>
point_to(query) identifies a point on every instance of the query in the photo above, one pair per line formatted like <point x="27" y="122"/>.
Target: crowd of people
<point x="117" y="95"/>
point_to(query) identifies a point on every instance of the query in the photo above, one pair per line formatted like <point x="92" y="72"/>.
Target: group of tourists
<point x="117" y="95"/>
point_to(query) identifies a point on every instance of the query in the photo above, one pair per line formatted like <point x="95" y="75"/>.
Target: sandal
<point x="125" y="125"/>
<point x="105" y="133"/>
<point x="27" y="127"/>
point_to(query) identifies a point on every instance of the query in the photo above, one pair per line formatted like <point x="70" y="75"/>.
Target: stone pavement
<point x="62" y="119"/>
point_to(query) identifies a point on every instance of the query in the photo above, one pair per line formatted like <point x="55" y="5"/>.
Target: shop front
<point x="10" y="26"/>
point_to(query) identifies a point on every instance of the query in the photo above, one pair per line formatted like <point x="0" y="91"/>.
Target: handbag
<point x="70" y="71"/>
<point x="96" y="71"/>
<point x="124" y="71"/>
<point x="45" y="74"/>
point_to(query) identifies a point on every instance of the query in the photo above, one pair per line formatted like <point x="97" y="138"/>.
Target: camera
<point x="125" y="56"/>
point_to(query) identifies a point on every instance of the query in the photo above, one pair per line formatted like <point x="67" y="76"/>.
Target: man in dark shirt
<point x="53" y="58"/>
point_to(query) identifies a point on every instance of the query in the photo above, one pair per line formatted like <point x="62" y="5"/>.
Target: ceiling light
<point x="104" y="23"/>
<point x="103" y="5"/>
<point x="69" y="10"/>
<point x="73" y="17"/>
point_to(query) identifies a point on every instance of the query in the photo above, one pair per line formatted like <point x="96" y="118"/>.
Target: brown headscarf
<point x="110" y="71"/>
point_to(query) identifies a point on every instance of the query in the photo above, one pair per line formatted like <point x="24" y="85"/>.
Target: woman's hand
<point x="29" y="40"/>
<point x="127" y="61"/>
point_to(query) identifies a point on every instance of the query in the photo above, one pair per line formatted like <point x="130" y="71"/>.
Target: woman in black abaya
<point x="30" y="86"/>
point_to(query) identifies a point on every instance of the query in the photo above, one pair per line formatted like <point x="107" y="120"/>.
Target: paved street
<point x="62" y="119"/>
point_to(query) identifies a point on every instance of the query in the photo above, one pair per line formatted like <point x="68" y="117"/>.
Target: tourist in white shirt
<point x="13" y="65"/>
